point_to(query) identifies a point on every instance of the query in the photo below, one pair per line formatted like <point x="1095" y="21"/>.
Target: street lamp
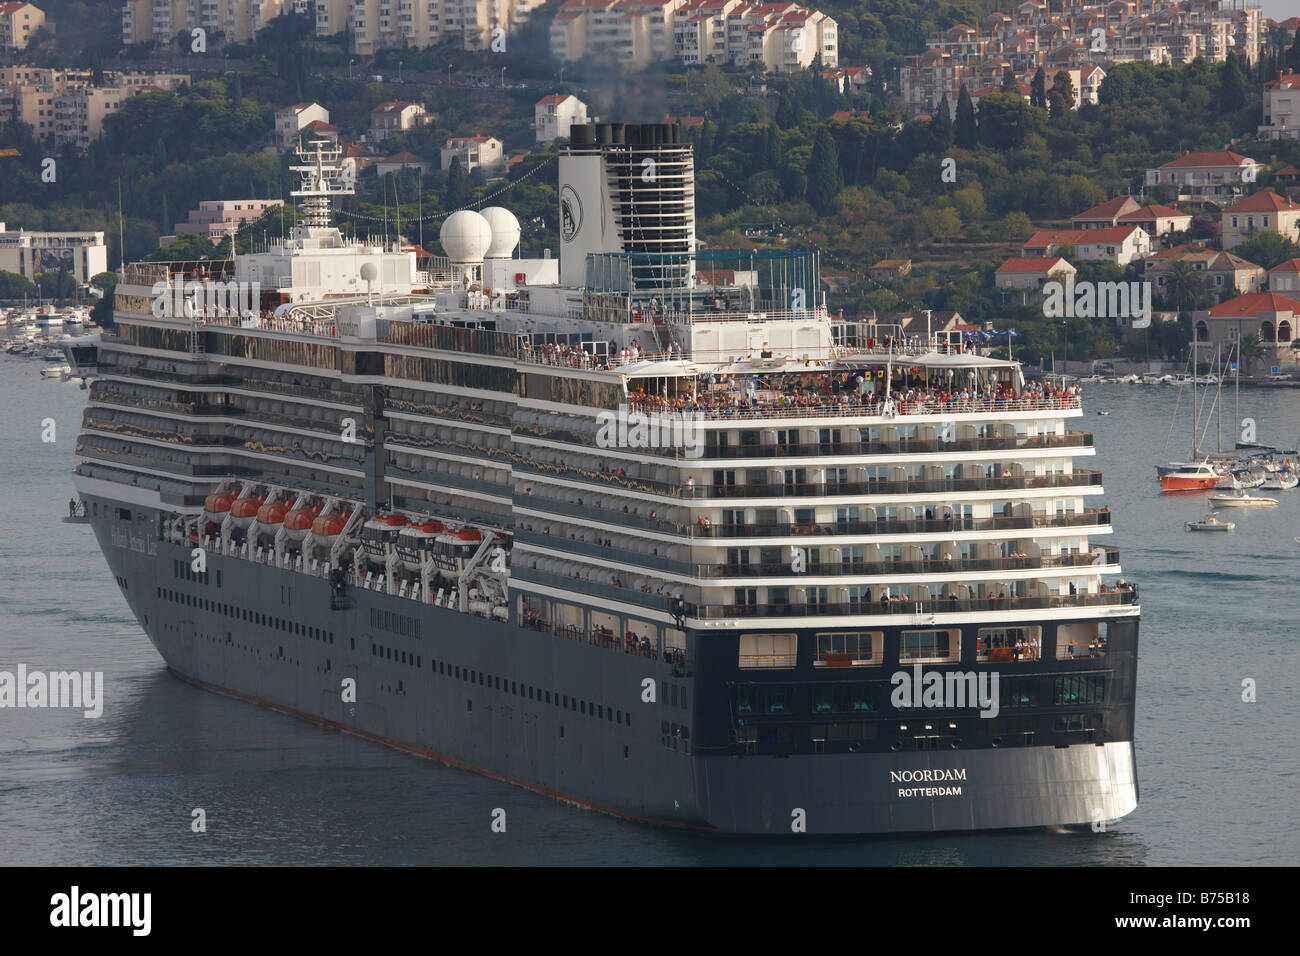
<point x="399" y="70"/>
<point x="350" y="62"/>
<point x="561" y="74"/>
<point x="449" y="74"/>
<point x="503" y="76"/>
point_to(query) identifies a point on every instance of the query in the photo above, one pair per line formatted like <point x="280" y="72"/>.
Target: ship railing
<point x="900" y="604"/>
<point x="270" y="322"/>
<point x="147" y="273"/>
<point x="650" y="520"/>
<point x="604" y="637"/>
<point x="875" y="407"/>
<point x="612" y="483"/>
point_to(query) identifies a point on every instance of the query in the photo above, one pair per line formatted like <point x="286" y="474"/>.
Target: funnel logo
<point x="570" y="213"/>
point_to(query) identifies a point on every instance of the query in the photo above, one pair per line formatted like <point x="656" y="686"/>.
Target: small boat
<point x="270" y="515"/>
<point x="326" y="528"/>
<point x="298" y="521"/>
<point x="56" y="371"/>
<point x="217" y="505"/>
<point x="1241" y="500"/>
<point x="1190" y="478"/>
<point x="1280" y="481"/>
<point x="1103" y="413"/>
<point x="379" y="537"/>
<point x="244" y="510"/>
<point x="1210" y="522"/>
<point x="417" y="542"/>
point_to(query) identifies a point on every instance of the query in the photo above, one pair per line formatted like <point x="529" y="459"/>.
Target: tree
<point x="15" y="286"/>
<point x="1061" y="97"/>
<point x="1038" y="90"/>
<point x="824" y="177"/>
<point x="965" y="132"/>
<point x="1233" y="85"/>
<point x="943" y="224"/>
<point x="1015" y="226"/>
<point x="1267" y="249"/>
<point x="1293" y="55"/>
<point x="459" y="190"/>
<point x="786" y="115"/>
<point x="1009" y="81"/>
<point x="1251" y="351"/>
<point x="941" y="132"/>
<point x="1184" y="288"/>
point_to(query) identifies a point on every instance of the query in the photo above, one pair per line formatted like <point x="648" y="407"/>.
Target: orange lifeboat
<point x="271" y="514"/>
<point x="328" y="527"/>
<point x="299" y="521"/>
<point x="244" y="510"/>
<point x="217" y="505"/>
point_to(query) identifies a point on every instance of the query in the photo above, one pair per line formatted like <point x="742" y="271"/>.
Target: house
<point x="1223" y="274"/>
<point x="292" y="120"/>
<point x="1199" y="176"/>
<point x="857" y="78"/>
<point x="473" y="152"/>
<point x="1281" y="108"/>
<point x="554" y="114"/>
<point x="1274" y="318"/>
<point x="1032" y="273"/>
<point x="1285" y="277"/>
<point x="400" y="161"/>
<point x="396" y="116"/>
<point x="1119" y="245"/>
<point x="318" y="129"/>
<point x="1263" y="212"/>
<point x="1022" y="88"/>
<point x="1106" y="215"/>
<point x="890" y="270"/>
<point x="1157" y="220"/>
<point x="220" y="217"/>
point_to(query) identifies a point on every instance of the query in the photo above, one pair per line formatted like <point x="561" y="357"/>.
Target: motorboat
<point x="1190" y="478"/>
<point x="1240" y="499"/>
<point x="1210" y="522"/>
<point x="1280" y="481"/>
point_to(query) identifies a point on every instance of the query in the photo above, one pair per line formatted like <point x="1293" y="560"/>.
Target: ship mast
<point x="322" y="178"/>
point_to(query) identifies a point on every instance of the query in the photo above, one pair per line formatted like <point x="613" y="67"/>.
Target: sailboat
<point x="1197" y="474"/>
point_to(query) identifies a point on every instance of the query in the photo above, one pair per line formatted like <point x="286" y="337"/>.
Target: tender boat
<point x="1281" y="481"/>
<point x="379" y="536"/>
<point x="417" y="542"/>
<point x="1210" y="522"/>
<point x="1190" y="478"/>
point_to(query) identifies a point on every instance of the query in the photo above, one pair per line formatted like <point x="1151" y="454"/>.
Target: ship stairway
<point x="663" y="334"/>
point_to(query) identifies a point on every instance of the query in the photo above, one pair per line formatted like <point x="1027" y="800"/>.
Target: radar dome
<point x="465" y="236"/>
<point x="369" y="272"/>
<point x="505" y="232"/>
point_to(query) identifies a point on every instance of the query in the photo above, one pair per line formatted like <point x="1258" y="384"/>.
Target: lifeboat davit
<point x="217" y="505"/>
<point x="328" y="527"/>
<point x="271" y="516"/>
<point x="379" y="536"/>
<point x="416" y="543"/>
<point x="244" y="510"/>
<point x="298" y="521"/>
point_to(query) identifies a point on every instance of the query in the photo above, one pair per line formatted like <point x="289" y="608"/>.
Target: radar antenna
<point x="322" y="178"/>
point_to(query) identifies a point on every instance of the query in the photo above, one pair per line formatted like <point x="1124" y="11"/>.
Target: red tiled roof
<point x="1290" y="79"/>
<point x="1154" y="211"/>
<point x="1255" y="303"/>
<point x="1217" y="158"/>
<point x="1039" y="264"/>
<point x="1288" y="171"/>
<point x="1263" y="202"/>
<point x="555" y="99"/>
<point x="1051" y="237"/>
<point x="889" y="263"/>
<point x="1291" y="265"/>
<point x="403" y="157"/>
<point x="1107" y="210"/>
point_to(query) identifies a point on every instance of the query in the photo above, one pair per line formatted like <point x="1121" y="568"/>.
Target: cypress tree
<point x="786" y="117"/>
<point x="459" y="190"/>
<point x="1038" y="90"/>
<point x="772" y="148"/>
<point x="1009" y="81"/>
<point x="941" y="132"/>
<point x="965" y="132"/>
<point x="1293" y="55"/>
<point x="824" y="177"/>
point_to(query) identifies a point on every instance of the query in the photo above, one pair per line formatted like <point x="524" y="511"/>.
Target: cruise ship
<point x="642" y="527"/>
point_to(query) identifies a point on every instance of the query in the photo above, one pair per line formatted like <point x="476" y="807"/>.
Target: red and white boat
<point x="244" y="510"/>
<point x="298" y="521"/>
<point x="1199" y="477"/>
<point x="379" y="536"/>
<point x="417" y="541"/>
<point x="326" y="528"/>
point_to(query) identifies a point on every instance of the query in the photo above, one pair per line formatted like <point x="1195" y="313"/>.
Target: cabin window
<point x="765" y="651"/>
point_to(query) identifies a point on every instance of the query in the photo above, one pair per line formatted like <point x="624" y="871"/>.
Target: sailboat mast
<point x="1195" y="411"/>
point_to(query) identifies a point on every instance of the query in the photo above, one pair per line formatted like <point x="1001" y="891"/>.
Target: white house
<point x="1118" y="245"/>
<point x="292" y="120"/>
<point x="1282" y="107"/>
<point x="474" y="151"/>
<point x="554" y="114"/>
<point x="1032" y="273"/>
<point x="1212" y="175"/>
<point x="396" y="116"/>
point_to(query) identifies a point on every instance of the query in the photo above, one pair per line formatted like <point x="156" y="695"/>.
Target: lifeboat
<point x="298" y="521"/>
<point x="416" y="543"/>
<point x="328" y="527"/>
<point x="244" y="510"/>
<point x="216" y="506"/>
<point x="271" y="515"/>
<point x="379" y="536"/>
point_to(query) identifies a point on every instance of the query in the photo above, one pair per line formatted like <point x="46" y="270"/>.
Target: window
<point x="849" y="649"/>
<point x="774" y="699"/>
<point x="1083" y="689"/>
<point x="1008" y="643"/>
<point x="1019" y="692"/>
<point x="767" y="651"/>
<point x="843" y="698"/>
<point x="919" y="647"/>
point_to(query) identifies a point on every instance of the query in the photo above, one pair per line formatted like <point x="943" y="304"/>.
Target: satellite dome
<point x="369" y="272"/>
<point x="505" y="232"/>
<point x="465" y="236"/>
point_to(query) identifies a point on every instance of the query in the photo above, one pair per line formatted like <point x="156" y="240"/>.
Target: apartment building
<point x="381" y="24"/>
<point x="216" y="218"/>
<point x="1282" y="107"/>
<point x="18" y="21"/>
<point x="64" y="107"/>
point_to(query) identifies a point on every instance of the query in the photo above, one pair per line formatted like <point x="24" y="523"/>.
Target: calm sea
<point x="1218" y="776"/>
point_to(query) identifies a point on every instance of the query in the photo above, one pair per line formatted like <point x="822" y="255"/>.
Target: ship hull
<point x="514" y="704"/>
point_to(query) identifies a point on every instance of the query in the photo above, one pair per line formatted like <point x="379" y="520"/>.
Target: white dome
<point x="505" y="232"/>
<point x="465" y="236"/>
